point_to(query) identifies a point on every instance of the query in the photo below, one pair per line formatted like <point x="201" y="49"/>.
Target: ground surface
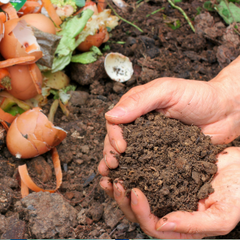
<point x="80" y="209"/>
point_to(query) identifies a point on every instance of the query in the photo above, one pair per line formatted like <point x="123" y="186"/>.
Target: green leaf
<point x="80" y="3"/>
<point x="230" y="13"/>
<point x="14" y="110"/>
<point x="96" y="50"/>
<point x="85" y="58"/>
<point x="106" y="48"/>
<point x="70" y="29"/>
<point x="234" y="1"/>
<point x="177" y="1"/>
<point x="175" y="25"/>
<point x="69" y="88"/>
<point x="199" y="9"/>
<point x="55" y="93"/>
<point x="208" y="6"/>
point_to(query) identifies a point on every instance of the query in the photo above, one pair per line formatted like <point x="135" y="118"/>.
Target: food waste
<point x="38" y="39"/>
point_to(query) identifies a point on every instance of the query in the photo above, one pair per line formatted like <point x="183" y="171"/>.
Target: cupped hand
<point x="213" y="106"/>
<point x="216" y="215"/>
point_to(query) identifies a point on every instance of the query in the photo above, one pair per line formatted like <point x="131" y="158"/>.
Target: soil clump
<point x="172" y="163"/>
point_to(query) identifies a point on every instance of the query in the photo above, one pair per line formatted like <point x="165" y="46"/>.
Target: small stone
<point x="85" y="149"/>
<point x="123" y="227"/>
<point x="49" y="215"/>
<point x="112" y="215"/>
<point x="81" y="217"/>
<point x="96" y="211"/>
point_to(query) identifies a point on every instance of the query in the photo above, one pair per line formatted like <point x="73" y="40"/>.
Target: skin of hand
<point x="213" y="106"/>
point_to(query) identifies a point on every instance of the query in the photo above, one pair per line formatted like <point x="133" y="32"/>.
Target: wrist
<point x="227" y="85"/>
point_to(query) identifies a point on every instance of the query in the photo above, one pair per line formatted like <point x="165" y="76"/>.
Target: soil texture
<point x="80" y="209"/>
<point x="172" y="163"/>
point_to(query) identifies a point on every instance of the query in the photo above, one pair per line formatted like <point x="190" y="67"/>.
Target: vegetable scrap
<point x="38" y="39"/>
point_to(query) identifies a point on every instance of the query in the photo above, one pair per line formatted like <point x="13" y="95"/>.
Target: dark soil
<point x="80" y="209"/>
<point x="172" y="163"/>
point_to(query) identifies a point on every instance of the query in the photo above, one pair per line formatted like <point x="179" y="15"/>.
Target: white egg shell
<point x="118" y="67"/>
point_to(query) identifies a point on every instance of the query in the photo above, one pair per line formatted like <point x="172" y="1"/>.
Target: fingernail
<point x="167" y="227"/>
<point x="116" y="145"/>
<point x="134" y="198"/>
<point x="117" y="192"/>
<point x="105" y="160"/>
<point x="116" y="112"/>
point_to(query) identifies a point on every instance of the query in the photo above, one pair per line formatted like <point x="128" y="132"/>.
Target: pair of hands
<point x="213" y="106"/>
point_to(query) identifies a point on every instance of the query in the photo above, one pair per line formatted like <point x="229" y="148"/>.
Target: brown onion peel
<point x="27" y="182"/>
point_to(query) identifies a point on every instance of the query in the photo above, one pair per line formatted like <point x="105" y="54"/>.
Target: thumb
<point x="216" y="220"/>
<point x="140" y="100"/>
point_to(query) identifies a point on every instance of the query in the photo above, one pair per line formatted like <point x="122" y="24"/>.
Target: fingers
<point x="109" y="154"/>
<point x="147" y="220"/>
<point x="103" y="169"/>
<point x="123" y="200"/>
<point x="115" y="138"/>
<point x="106" y="185"/>
<point x="141" y="100"/>
<point x="216" y="220"/>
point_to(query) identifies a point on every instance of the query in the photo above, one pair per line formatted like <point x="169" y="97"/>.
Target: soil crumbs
<point x="172" y="163"/>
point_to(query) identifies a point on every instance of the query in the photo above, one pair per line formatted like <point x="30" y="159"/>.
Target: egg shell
<point x="40" y="22"/>
<point x="17" y="144"/>
<point x="23" y="86"/>
<point x="10" y="47"/>
<point x="118" y="67"/>
<point x="46" y="131"/>
<point x="32" y="134"/>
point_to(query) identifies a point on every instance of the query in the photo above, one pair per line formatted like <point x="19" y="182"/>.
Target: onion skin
<point x="32" y="134"/>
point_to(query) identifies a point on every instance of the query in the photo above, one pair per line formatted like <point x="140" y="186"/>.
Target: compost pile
<point x="172" y="163"/>
<point x="163" y="45"/>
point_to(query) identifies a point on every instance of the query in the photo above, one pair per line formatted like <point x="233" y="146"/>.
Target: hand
<point x="213" y="106"/>
<point x="216" y="215"/>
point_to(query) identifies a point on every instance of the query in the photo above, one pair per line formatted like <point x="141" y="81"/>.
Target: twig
<point x="139" y="29"/>
<point x="183" y="13"/>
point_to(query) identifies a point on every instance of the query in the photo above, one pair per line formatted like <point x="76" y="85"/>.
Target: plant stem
<point x="139" y="29"/>
<point x="155" y="12"/>
<point x="183" y="13"/>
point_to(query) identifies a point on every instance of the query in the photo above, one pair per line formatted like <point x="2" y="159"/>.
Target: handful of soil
<point x="172" y="163"/>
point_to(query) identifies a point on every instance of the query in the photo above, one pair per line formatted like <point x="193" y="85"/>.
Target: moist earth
<point x="80" y="209"/>
<point x="172" y="163"/>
